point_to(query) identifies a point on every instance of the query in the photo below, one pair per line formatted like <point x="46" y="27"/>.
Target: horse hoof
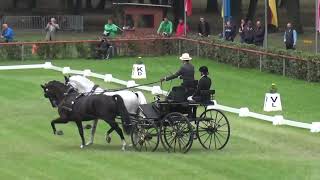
<point x="123" y="148"/>
<point x="59" y="133"/>
<point x="81" y="146"/>
<point x="108" y="139"/>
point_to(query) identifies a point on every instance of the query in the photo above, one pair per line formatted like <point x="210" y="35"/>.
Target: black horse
<point x="72" y="106"/>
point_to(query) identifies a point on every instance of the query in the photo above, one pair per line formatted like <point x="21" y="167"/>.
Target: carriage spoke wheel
<point x="176" y="133"/>
<point x="213" y="129"/>
<point x="145" y="136"/>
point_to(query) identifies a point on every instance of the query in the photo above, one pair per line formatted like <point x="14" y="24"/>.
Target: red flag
<point x="188" y="7"/>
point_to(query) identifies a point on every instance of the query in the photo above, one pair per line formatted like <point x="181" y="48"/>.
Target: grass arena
<point x="256" y="149"/>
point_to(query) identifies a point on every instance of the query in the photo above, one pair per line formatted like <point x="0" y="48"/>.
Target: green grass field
<point x="256" y="150"/>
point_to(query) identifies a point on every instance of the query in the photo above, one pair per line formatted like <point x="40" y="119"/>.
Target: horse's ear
<point x="66" y="79"/>
<point x="43" y="87"/>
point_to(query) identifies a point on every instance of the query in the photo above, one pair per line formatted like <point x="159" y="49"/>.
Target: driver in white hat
<point x="186" y="73"/>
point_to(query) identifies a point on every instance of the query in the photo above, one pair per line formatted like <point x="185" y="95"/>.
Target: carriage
<point x="176" y="124"/>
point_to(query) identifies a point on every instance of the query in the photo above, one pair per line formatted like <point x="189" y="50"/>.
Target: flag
<point x="318" y="16"/>
<point x="273" y="15"/>
<point x="226" y="9"/>
<point x="188" y="7"/>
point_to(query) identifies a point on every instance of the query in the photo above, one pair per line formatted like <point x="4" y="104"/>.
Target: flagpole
<point x="266" y="24"/>
<point x="185" y="18"/>
<point x="316" y="25"/>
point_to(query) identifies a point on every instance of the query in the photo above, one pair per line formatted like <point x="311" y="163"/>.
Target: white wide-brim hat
<point x="185" y="57"/>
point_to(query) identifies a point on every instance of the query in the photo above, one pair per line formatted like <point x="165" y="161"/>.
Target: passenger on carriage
<point x="204" y="84"/>
<point x="186" y="73"/>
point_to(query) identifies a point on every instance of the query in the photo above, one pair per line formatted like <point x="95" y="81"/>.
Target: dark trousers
<point x="290" y="46"/>
<point x="104" y="53"/>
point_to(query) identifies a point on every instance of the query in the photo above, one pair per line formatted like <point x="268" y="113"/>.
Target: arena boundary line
<point x="314" y="127"/>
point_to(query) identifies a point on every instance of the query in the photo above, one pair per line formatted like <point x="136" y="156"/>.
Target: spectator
<point x="248" y="33"/>
<point x="241" y="29"/>
<point x="104" y="49"/>
<point x="290" y="37"/>
<point x="259" y="34"/>
<point x="51" y="28"/>
<point x="229" y="32"/>
<point x="165" y="27"/>
<point x="180" y="28"/>
<point x="203" y="28"/>
<point x="7" y="33"/>
<point x="110" y="29"/>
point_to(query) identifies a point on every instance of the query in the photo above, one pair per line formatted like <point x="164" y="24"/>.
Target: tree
<point x="78" y="6"/>
<point x="236" y="11"/>
<point x="212" y="6"/>
<point x="101" y="4"/>
<point x="293" y="9"/>
<point x="178" y="10"/>
<point x="89" y="4"/>
<point x="15" y="3"/>
<point x="252" y="9"/>
<point x="33" y="4"/>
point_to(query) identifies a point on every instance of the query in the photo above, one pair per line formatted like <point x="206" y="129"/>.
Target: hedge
<point x="295" y="64"/>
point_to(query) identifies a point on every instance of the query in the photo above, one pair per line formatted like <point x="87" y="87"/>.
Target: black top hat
<point x="203" y="69"/>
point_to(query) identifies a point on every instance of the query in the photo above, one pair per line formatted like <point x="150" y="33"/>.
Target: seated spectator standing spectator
<point x="259" y="34"/>
<point x="241" y="29"/>
<point x="51" y="28"/>
<point x="203" y="28"/>
<point x="290" y="37"/>
<point x="165" y="27"/>
<point x="229" y="32"/>
<point x="7" y="33"/>
<point x="110" y="29"/>
<point x="104" y="49"/>
<point x="248" y="33"/>
<point x="180" y="28"/>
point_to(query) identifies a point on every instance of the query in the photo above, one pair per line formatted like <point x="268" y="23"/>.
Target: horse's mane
<point x="57" y="84"/>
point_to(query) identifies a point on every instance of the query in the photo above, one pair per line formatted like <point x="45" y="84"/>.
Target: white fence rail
<point x="243" y="112"/>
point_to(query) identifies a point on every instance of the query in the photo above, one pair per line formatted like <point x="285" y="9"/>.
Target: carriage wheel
<point x="176" y="133"/>
<point x="213" y="129"/>
<point x="145" y="136"/>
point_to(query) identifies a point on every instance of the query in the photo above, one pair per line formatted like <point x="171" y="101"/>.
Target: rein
<point x="114" y="90"/>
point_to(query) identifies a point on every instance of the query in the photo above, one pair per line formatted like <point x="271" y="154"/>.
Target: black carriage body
<point x="176" y="124"/>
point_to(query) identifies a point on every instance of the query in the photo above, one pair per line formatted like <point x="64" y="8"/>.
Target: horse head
<point x="55" y="92"/>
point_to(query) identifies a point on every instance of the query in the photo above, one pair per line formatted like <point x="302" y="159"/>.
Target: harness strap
<point x="94" y="89"/>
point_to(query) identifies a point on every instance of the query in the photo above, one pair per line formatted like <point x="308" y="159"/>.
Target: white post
<point x="266" y="5"/>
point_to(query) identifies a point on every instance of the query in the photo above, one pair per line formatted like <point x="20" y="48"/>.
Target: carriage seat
<point x="205" y="98"/>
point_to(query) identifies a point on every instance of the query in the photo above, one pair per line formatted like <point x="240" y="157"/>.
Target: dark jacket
<point x="204" y="29"/>
<point x="203" y="84"/>
<point x="259" y="35"/>
<point x="229" y="33"/>
<point x="104" y="44"/>
<point x="248" y="35"/>
<point x="186" y="73"/>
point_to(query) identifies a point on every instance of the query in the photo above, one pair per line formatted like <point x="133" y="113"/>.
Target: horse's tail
<point x="122" y="110"/>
